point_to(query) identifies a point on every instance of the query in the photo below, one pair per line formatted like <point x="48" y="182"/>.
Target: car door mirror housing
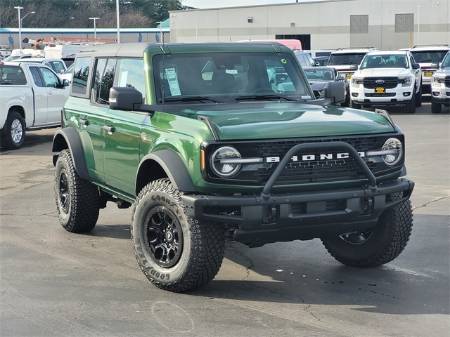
<point x="65" y="83"/>
<point x="124" y="98"/>
<point x="416" y="66"/>
<point x="335" y="91"/>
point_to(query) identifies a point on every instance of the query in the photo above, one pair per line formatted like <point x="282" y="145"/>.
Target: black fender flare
<point x="174" y="167"/>
<point x="71" y="137"/>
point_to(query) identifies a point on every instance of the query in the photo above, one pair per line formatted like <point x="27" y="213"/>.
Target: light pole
<point x="19" y="8"/>
<point x="118" y="21"/>
<point x="95" y="27"/>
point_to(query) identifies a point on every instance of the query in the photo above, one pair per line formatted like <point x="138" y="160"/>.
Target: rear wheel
<point x="77" y="200"/>
<point x="436" y="108"/>
<point x="176" y="252"/>
<point x="374" y="247"/>
<point x="13" y="133"/>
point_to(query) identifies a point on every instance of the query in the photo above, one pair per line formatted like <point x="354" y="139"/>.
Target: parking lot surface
<point x="54" y="283"/>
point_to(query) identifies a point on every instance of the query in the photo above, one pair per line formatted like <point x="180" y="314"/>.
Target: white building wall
<point x="327" y="22"/>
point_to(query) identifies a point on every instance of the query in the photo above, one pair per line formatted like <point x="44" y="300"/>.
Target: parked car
<point x="440" y="87"/>
<point x="321" y="78"/>
<point x="68" y="74"/>
<point x="305" y="59"/>
<point x="31" y="97"/>
<point x="429" y="58"/>
<point x="57" y="65"/>
<point x="346" y="62"/>
<point x="321" y="60"/>
<point x="387" y="78"/>
<point x="206" y="146"/>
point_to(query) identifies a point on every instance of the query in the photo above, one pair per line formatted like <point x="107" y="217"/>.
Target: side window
<point x="57" y="67"/>
<point x="81" y="75"/>
<point x="36" y="76"/>
<point x="131" y="74"/>
<point x="49" y="78"/>
<point x="12" y="75"/>
<point x="104" y="79"/>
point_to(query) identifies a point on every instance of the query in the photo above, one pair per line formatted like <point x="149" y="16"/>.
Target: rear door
<point x="40" y="97"/>
<point x="124" y="135"/>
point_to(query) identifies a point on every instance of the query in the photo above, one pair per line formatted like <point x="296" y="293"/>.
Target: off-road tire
<point x="386" y="242"/>
<point x="203" y="244"/>
<point x="436" y="108"/>
<point x="84" y="199"/>
<point x="6" y="137"/>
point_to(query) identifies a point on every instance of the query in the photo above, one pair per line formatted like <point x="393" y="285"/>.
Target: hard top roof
<point x="138" y="49"/>
<point x="430" y="47"/>
<point x="353" y="51"/>
<point x="388" y="52"/>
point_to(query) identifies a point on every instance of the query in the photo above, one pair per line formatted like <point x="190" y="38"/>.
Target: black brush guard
<point x="268" y="217"/>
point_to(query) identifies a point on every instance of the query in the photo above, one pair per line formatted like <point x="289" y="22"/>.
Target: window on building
<point x="131" y="74"/>
<point x="359" y="24"/>
<point x="404" y="23"/>
<point x="81" y="76"/>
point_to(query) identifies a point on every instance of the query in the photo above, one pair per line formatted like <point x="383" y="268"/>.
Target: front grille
<point x="447" y="81"/>
<point x="386" y="94"/>
<point x="385" y="82"/>
<point x="314" y="170"/>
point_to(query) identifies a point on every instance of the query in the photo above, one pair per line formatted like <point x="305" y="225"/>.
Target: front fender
<point x="173" y="166"/>
<point x="68" y="138"/>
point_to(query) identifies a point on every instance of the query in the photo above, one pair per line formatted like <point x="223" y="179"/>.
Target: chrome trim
<point x="380" y="153"/>
<point x="241" y="161"/>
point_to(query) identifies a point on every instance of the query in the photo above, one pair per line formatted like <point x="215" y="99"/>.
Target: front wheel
<point x="175" y="251"/>
<point x="410" y="107"/>
<point x="374" y="247"/>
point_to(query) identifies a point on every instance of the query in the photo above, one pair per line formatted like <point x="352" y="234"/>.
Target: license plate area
<point x="428" y="73"/>
<point x="380" y="90"/>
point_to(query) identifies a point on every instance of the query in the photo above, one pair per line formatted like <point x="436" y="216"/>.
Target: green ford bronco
<point x="210" y="142"/>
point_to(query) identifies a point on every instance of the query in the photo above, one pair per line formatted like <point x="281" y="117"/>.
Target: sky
<point x="229" y="3"/>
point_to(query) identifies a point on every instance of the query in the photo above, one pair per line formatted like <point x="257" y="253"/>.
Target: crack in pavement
<point x="425" y="204"/>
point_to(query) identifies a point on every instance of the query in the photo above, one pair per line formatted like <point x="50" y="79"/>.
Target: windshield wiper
<point x="265" y="97"/>
<point x="189" y="99"/>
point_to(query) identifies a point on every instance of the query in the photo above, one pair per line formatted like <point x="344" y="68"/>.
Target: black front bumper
<point x="270" y="217"/>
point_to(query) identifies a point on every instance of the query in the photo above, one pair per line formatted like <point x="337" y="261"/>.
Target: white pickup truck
<point x="31" y="97"/>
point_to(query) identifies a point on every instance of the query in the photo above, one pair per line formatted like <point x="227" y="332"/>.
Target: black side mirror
<point x="65" y="83"/>
<point x="124" y="98"/>
<point x="416" y="66"/>
<point x="316" y="94"/>
<point x="335" y="91"/>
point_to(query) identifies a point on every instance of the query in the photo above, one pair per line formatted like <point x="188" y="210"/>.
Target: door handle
<point x="84" y="122"/>
<point x="109" y="129"/>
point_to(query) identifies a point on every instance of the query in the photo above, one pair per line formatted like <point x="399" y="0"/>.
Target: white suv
<point x="429" y="58"/>
<point x="440" y="87"/>
<point x="387" y="78"/>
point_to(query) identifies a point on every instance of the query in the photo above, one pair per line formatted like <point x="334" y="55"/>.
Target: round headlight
<point x="220" y="164"/>
<point x="394" y="151"/>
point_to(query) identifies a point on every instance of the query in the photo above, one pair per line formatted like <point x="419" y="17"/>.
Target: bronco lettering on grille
<point x="312" y="157"/>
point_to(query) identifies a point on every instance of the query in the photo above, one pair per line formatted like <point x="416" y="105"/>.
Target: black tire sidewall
<point x="148" y="202"/>
<point x="12" y="116"/>
<point x="63" y="166"/>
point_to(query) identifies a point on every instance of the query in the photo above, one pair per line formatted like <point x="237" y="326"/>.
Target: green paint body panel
<point x="113" y="160"/>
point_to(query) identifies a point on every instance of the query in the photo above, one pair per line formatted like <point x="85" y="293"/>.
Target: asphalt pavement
<point x="54" y="283"/>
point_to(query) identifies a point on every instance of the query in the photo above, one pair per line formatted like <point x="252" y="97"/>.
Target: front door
<point x="40" y="98"/>
<point x="56" y="95"/>
<point x="124" y="132"/>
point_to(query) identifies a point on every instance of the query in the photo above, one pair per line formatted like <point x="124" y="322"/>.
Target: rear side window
<point x="12" y="75"/>
<point x="57" y="67"/>
<point x="131" y="74"/>
<point x="81" y="76"/>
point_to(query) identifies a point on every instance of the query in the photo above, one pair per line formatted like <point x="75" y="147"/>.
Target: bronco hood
<point x="275" y="120"/>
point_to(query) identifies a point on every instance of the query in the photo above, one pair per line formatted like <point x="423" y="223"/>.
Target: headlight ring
<point x="394" y="151"/>
<point x="227" y="169"/>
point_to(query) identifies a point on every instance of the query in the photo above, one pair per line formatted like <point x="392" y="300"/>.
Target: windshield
<point x="319" y="74"/>
<point x="346" y="59"/>
<point x="384" y="61"/>
<point x="220" y="77"/>
<point x="446" y="61"/>
<point x="429" y="56"/>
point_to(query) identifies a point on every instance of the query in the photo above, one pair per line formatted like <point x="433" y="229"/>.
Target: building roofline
<point x="301" y="3"/>
<point x="84" y="30"/>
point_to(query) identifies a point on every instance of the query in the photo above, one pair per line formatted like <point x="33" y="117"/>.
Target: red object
<point x="291" y="43"/>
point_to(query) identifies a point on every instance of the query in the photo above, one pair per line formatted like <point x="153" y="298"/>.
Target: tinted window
<point x="12" y="75"/>
<point x="36" y="76"/>
<point x="57" y="66"/>
<point x="81" y="75"/>
<point x="227" y="76"/>
<point x="104" y="79"/>
<point x="446" y="61"/>
<point x="49" y="78"/>
<point x="430" y="56"/>
<point x="346" y="59"/>
<point x="384" y="61"/>
<point x="131" y="74"/>
<point x="319" y="74"/>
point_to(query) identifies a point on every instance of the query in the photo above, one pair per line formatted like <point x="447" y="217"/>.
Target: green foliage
<point x="76" y="13"/>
